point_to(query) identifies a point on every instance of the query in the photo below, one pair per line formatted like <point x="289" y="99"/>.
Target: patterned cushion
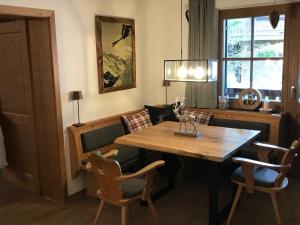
<point x="201" y="117"/>
<point x="138" y="121"/>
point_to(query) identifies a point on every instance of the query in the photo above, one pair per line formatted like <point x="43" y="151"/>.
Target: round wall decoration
<point x="250" y="99"/>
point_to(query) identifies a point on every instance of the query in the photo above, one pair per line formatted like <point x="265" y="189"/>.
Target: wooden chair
<point x="120" y="190"/>
<point x="263" y="176"/>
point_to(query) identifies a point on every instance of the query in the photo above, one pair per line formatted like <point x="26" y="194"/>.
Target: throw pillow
<point x="155" y="113"/>
<point x="169" y="114"/>
<point x="201" y="117"/>
<point x="138" y="121"/>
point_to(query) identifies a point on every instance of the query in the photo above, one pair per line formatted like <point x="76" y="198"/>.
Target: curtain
<point x="202" y="42"/>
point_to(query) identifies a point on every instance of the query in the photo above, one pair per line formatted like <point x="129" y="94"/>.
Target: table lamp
<point x="76" y="95"/>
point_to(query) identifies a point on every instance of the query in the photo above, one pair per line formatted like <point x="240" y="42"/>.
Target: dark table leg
<point x="216" y="217"/>
<point x="170" y="170"/>
<point x="213" y="193"/>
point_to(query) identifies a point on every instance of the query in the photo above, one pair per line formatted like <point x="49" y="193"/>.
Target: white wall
<point x="162" y="42"/>
<point x="77" y="59"/>
<point x="157" y="38"/>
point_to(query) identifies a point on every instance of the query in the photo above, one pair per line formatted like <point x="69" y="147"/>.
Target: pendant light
<point x="190" y="70"/>
<point x="274" y="17"/>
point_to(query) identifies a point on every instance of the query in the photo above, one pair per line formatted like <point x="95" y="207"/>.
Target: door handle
<point x="293" y="92"/>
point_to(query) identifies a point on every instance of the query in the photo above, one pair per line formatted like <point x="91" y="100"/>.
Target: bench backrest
<point x="100" y="137"/>
<point x="263" y="127"/>
<point x="97" y="135"/>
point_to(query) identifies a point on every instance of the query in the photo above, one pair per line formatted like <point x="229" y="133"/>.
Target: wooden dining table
<point x="215" y="144"/>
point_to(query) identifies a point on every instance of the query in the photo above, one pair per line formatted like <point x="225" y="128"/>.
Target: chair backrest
<point x="288" y="159"/>
<point x="106" y="171"/>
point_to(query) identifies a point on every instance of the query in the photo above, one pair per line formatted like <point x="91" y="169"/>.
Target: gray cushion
<point x="248" y="151"/>
<point x="132" y="187"/>
<point x="100" y="137"/>
<point x="263" y="177"/>
<point x="126" y="154"/>
<point x="263" y="127"/>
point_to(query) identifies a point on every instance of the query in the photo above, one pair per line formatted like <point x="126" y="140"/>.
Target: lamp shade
<point x="274" y="18"/>
<point x="75" y="95"/>
<point x="202" y="70"/>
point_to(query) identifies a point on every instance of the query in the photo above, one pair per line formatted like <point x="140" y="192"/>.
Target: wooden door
<point x="17" y="114"/>
<point x="294" y="72"/>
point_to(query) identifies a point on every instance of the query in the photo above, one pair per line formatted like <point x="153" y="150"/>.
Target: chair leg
<point x="151" y="206"/>
<point x="98" y="214"/>
<point x="234" y="204"/>
<point x="275" y="206"/>
<point x="129" y="213"/>
<point x="124" y="216"/>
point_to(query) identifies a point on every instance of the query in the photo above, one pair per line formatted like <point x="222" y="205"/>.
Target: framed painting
<point x="115" y="44"/>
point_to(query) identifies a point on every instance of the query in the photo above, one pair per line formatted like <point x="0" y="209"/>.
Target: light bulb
<point x="182" y="72"/>
<point x="199" y="73"/>
<point x="169" y="72"/>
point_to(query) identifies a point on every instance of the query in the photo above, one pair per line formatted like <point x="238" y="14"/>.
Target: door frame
<point x="49" y="15"/>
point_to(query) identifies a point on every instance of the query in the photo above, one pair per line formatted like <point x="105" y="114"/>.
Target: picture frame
<point x="115" y="46"/>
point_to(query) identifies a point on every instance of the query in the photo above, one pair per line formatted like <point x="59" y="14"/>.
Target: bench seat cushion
<point x="248" y="151"/>
<point x="127" y="154"/>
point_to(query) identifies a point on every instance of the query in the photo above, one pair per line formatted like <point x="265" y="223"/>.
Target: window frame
<point x="253" y="12"/>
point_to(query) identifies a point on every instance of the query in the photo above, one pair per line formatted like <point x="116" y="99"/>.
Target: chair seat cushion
<point x="132" y="187"/>
<point x="263" y="177"/>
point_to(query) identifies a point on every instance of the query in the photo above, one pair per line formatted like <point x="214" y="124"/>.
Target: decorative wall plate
<point x="250" y="99"/>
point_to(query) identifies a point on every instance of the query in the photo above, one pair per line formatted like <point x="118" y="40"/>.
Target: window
<point x="252" y="56"/>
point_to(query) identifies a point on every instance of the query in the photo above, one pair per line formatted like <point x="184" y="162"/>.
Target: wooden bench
<point x="106" y="130"/>
<point x="81" y="139"/>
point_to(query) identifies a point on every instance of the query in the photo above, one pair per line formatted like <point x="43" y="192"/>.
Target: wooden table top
<point x="214" y="143"/>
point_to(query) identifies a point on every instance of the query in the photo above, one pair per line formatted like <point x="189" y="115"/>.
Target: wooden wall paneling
<point x="45" y="109"/>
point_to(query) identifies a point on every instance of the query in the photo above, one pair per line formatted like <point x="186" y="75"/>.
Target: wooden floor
<point x="186" y="205"/>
